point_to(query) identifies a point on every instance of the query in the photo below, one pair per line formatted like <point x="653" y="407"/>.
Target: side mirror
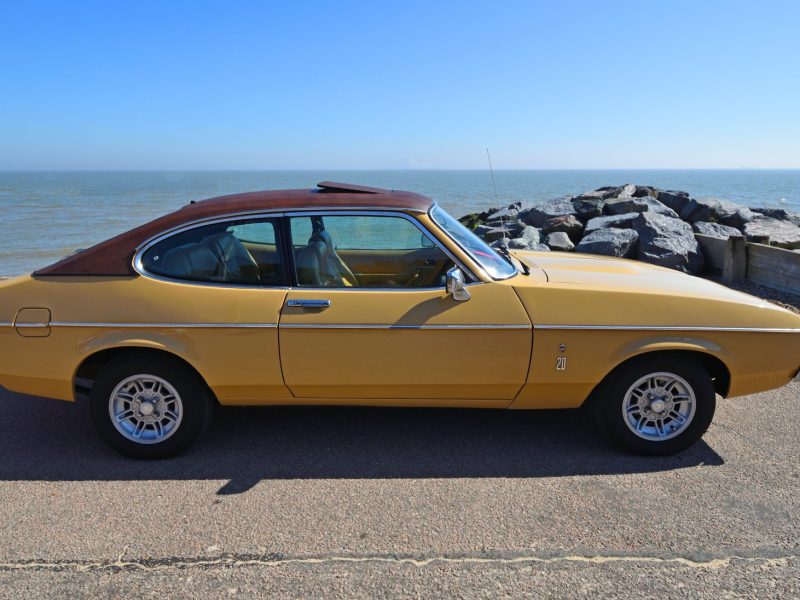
<point x="456" y="285"/>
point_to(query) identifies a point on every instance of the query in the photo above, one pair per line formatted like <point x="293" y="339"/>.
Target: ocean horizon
<point x="49" y="214"/>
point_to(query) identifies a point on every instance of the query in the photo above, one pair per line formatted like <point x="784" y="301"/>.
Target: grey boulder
<point x="509" y="213"/>
<point x="667" y="242"/>
<point x="528" y="238"/>
<point x="674" y="199"/>
<point x="780" y="233"/>
<point x="507" y="230"/>
<point x="618" y="221"/>
<point x="715" y="230"/>
<point x="603" y="193"/>
<point x="739" y="217"/>
<point x="588" y="207"/>
<point x="531" y="234"/>
<point x="660" y="208"/>
<point x="519" y="244"/>
<point x="537" y="215"/>
<point x="501" y="243"/>
<point x="717" y="211"/>
<point x="558" y="240"/>
<point x="609" y="241"/>
<point x="622" y="205"/>
<point x="569" y="224"/>
<point x="780" y="214"/>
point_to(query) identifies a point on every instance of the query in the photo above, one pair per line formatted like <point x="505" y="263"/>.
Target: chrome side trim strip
<point x="31" y="325"/>
<point x="166" y="325"/>
<point x="666" y="328"/>
<point x="412" y="327"/>
<point x="6" y="324"/>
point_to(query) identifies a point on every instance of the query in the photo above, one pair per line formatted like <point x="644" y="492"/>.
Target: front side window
<point x="245" y="251"/>
<point x="498" y="267"/>
<point x="365" y="251"/>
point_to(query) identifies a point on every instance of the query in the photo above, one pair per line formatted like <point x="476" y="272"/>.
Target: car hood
<point x="605" y="272"/>
<point x="593" y="289"/>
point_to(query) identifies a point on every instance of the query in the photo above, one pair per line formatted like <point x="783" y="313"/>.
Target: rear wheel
<point x="149" y="407"/>
<point x="656" y="405"/>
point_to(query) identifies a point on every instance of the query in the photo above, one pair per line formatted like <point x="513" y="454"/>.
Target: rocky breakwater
<point x="633" y="221"/>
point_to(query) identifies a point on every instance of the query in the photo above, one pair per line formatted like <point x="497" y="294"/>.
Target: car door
<point x="221" y="285"/>
<point x="391" y="332"/>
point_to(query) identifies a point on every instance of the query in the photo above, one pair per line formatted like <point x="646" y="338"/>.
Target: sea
<point x="47" y="215"/>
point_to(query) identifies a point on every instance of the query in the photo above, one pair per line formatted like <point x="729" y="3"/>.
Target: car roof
<point x="114" y="256"/>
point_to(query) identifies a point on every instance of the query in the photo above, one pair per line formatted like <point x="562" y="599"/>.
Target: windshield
<point x="497" y="266"/>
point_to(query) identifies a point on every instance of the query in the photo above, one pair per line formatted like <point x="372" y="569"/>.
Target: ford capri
<point x="348" y="295"/>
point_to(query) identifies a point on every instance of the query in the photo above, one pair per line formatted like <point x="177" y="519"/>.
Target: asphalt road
<point x="322" y="502"/>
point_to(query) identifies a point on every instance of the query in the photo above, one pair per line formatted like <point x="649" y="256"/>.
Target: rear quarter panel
<point x="89" y="314"/>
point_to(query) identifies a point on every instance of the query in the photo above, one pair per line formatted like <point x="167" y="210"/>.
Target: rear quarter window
<point x="245" y="252"/>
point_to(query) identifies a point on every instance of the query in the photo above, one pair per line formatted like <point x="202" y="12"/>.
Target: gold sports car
<point x="362" y="296"/>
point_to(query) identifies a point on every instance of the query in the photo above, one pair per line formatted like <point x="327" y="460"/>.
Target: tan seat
<point x="235" y="263"/>
<point x="191" y="261"/>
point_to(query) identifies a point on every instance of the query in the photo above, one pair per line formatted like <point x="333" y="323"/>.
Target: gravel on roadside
<point x="783" y="299"/>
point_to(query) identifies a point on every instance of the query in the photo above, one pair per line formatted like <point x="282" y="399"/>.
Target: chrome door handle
<point x="309" y="303"/>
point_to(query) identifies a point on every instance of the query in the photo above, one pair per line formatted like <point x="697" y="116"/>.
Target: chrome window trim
<point x="512" y="326"/>
<point x="204" y="221"/>
<point x="278" y="212"/>
<point x="464" y="250"/>
<point x="666" y="328"/>
<point x="381" y="213"/>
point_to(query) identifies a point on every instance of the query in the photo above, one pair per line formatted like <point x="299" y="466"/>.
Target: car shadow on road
<point x="46" y="440"/>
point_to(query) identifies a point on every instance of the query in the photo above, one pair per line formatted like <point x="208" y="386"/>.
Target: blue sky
<point x="363" y="85"/>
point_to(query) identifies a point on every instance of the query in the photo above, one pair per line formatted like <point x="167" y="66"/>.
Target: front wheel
<point x="149" y="407"/>
<point x="656" y="405"/>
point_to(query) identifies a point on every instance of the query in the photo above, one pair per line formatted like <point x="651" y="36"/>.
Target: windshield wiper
<point x="504" y="251"/>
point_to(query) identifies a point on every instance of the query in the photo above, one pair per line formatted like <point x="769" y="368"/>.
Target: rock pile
<point x="633" y="221"/>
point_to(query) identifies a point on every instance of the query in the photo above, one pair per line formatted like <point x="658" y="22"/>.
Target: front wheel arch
<point x="717" y="370"/>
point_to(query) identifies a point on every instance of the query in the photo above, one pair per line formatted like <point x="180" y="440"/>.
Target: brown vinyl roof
<point x="114" y="257"/>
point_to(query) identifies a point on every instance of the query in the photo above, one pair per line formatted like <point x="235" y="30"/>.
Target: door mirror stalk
<point x="456" y="285"/>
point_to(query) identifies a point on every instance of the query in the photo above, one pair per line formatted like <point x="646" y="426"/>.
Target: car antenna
<point x="496" y="198"/>
<point x="502" y="248"/>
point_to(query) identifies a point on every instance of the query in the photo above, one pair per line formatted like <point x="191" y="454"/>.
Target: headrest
<point x="323" y="240"/>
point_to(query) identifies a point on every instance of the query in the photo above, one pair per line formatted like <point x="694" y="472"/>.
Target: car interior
<point x="215" y="253"/>
<point x="320" y="263"/>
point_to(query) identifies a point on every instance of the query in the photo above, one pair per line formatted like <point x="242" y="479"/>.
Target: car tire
<point x="149" y="407"/>
<point x="656" y="405"/>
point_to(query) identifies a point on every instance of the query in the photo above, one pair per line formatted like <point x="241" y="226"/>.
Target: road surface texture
<point x="350" y="503"/>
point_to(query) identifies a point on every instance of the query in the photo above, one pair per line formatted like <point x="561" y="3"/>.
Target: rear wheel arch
<point x="91" y="366"/>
